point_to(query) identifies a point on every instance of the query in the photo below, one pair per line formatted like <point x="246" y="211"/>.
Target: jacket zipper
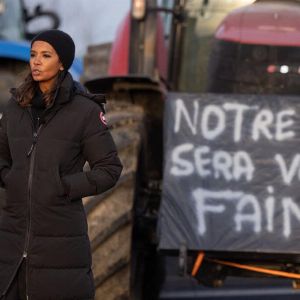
<point x="31" y="153"/>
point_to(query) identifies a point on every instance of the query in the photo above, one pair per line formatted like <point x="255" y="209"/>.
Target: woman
<point x="48" y="130"/>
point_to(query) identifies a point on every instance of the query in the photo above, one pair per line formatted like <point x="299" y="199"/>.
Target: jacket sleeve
<point x="100" y="151"/>
<point x="5" y="156"/>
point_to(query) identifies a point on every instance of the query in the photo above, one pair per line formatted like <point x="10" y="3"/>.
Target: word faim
<point x="249" y="211"/>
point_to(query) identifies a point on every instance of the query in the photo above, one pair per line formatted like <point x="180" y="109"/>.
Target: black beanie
<point x="61" y="42"/>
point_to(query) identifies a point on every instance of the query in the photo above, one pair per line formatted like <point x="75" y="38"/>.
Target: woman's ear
<point x="61" y="68"/>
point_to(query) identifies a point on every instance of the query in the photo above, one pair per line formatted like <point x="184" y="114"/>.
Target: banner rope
<point x="200" y="259"/>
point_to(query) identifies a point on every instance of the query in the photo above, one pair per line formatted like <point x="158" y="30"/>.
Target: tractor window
<point x="167" y="18"/>
<point x="258" y="69"/>
<point x="11" y="23"/>
<point x="203" y="17"/>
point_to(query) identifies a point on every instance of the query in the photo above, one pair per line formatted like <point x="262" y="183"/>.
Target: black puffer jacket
<point x="43" y="217"/>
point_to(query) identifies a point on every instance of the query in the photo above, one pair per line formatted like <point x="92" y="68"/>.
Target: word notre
<point x="212" y="120"/>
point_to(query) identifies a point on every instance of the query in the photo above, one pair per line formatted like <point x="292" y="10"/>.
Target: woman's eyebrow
<point x="44" y="52"/>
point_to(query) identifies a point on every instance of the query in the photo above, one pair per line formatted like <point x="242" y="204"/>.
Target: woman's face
<point x="44" y="64"/>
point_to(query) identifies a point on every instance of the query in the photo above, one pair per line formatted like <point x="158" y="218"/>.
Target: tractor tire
<point x="110" y="215"/>
<point x="7" y="81"/>
<point x="11" y="74"/>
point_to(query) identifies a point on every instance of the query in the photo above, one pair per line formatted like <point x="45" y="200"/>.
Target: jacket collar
<point x="64" y="91"/>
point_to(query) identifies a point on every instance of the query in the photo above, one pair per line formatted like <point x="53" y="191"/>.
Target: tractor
<point x="202" y="104"/>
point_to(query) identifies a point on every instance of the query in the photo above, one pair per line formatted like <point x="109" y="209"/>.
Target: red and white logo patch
<point x="102" y="118"/>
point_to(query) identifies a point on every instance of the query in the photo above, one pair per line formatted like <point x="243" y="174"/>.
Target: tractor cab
<point x="218" y="169"/>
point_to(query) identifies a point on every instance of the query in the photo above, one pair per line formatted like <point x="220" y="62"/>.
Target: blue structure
<point x="21" y="51"/>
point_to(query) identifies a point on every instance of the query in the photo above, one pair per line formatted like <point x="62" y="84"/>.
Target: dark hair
<point x="26" y="91"/>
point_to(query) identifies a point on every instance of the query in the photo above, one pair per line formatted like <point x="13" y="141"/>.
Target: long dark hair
<point x="26" y="91"/>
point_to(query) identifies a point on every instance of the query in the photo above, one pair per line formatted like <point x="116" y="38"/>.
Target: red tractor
<point x="210" y="172"/>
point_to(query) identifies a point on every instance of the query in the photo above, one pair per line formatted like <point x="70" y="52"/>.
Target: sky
<point x="87" y="21"/>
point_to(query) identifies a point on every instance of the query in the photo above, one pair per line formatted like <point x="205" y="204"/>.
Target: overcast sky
<point x="87" y="21"/>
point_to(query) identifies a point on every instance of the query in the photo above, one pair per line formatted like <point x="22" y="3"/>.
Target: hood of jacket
<point x="67" y="90"/>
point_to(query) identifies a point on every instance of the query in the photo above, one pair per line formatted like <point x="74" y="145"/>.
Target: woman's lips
<point x="36" y="72"/>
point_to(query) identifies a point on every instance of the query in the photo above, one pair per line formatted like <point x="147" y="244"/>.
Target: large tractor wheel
<point x="7" y="81"/>
<point x="11" y="74"/>
<point x="110" y="214"/>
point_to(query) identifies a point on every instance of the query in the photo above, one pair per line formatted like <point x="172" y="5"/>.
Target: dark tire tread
<point x="110" y="214"/>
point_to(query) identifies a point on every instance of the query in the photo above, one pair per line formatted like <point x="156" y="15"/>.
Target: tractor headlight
<point x="138" y="9"/>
